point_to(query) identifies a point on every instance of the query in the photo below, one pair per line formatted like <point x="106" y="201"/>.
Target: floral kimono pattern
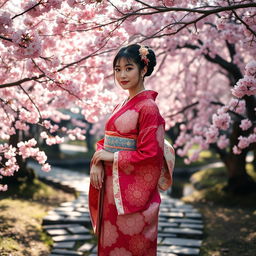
<point x="124" y="212"/>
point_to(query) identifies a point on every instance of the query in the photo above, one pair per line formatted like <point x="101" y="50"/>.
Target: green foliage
<point x="210" y="187"/>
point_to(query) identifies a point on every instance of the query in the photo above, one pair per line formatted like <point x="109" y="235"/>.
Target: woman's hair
<point x="131" y="53"/>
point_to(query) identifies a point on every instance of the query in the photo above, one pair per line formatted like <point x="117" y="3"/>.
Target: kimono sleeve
<point x="136" y="173"/>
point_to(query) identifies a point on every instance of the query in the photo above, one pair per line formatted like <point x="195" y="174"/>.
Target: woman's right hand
<point x="97" y="175"/>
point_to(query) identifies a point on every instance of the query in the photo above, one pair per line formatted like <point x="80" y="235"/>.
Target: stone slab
<point x="185" y="231"/>
<point x="162" y="234"/>
<point x="56" y="232"/>
<point x="184" y="220"/>
<point x="189" y="225"/>
<point x="178" y="250"/>
<point x="66" y="252"/>
<point x="185" y="251"/>
<point x="86" y="247"/>
<point x="167" y="224"/>
<point x="78" y="230"/>
<point x="58" y="226"/>
<point x="194" y="215"/>
<point x="182" y="242"/>
<point x="171" y="214"/>
<point x="71" y="238"/>
<point x="64" y="245"/>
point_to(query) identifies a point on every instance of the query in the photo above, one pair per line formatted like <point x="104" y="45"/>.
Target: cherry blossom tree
<point x="57" y="54"/>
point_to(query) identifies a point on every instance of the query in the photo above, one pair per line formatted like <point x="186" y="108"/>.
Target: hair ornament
<point x="143" y="54"/>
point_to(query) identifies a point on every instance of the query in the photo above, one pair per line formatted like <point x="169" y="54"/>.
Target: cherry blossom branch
<point x="31" y="101"/>
<point x="244" y="23"/>
<point x="197" y="102"/>
<point x="29" y="9"/>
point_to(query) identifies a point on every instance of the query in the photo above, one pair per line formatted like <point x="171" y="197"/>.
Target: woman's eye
<point x="117" y="69"/>
<point x="128" y="69"/>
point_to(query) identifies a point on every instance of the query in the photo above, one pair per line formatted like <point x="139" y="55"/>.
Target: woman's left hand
<point x="102" y="155"/>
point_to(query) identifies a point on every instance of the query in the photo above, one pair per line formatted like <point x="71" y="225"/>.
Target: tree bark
<point x="239" y="182"/>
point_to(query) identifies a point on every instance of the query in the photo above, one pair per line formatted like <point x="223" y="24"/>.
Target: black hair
<point x="131" y="52"/>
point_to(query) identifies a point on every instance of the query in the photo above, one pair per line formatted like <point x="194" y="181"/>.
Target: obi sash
<point x="113" y="142"/>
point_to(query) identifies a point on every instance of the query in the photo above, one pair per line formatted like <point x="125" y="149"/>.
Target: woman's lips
<point x="124" y="82"/>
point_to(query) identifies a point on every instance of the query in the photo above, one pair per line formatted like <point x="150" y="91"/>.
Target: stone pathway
<point x="180" y="225"/>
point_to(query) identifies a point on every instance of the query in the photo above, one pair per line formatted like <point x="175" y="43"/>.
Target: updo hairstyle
<point x="131" y="53"/>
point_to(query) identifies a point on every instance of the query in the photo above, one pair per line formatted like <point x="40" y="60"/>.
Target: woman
<point x="127" y="168"/>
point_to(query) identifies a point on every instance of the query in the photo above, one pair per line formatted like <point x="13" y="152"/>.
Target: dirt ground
<point x="21" y="233"/>
<point x="229" y="231"/>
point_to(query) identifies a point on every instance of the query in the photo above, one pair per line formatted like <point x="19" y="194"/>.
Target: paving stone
<point x="194" y="215"/>
<point x="78" y="230"/>
<point x="167" y="224"/>
<point x="56" y="232"/>
<point x="65" y="209"/>
<point x="66" y="252"/>
<point x="178" y="250"/>
<point x="58" y="226"/>
<point x="189" y="225"/>
<point x="86" y="247"/>
<point x="185" y="220"/>
<point x="164" y="235"/>
<point x="186" y="231"/>
<point x="182" y="242"/>
<point x="165" y="254"/>
<point x="64" y="245"/>
<point x="184" y="250"/>
<point x="185" y="210"/>
<point x="171" y="214"/>
<point x="71" y="238"/>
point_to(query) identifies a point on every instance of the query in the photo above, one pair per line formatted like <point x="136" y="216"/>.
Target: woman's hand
<point x="97" y="175"/>
<point x="102" y="155"/>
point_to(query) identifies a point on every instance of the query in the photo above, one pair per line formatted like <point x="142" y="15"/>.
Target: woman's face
<point x="127" y="74"/>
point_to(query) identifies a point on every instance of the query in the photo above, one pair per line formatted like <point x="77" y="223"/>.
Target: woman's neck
<point x="133" y="92"/>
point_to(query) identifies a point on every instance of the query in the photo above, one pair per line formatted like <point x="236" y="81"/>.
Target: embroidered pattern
<point x="136" y="194"/>
<point x="138" y="245"/>
<point x="151" y="212"/>
<point x="130" y="224"/>
<point x="148" y="176"/>
<point x="116" y="143"/>
<point x="127" y="121"/>
<point x="116" y="186"/>
<point x="120" y="251"/>
<point x="110" y="234"/>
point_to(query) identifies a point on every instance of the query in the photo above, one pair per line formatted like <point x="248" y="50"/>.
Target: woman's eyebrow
<point x="128" y="64"/>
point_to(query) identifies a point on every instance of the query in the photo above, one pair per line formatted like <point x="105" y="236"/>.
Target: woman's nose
<point x="123" y="74"/>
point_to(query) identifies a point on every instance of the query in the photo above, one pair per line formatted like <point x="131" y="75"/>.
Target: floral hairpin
<point x="143" y="54"/>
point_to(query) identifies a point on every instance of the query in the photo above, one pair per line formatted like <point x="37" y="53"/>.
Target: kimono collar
<point x="149" y="94"/>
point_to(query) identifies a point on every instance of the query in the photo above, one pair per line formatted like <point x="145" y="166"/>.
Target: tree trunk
<point x="239" y="182"/>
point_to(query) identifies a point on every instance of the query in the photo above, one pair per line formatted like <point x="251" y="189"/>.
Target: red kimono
<point x="124" y="212"/>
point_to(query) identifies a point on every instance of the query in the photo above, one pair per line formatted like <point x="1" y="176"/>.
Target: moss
<point x="209" y="186"/>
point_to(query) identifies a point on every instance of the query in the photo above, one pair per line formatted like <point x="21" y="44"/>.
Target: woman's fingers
<point x="96" y="176"/>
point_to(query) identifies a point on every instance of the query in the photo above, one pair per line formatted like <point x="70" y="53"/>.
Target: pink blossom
<point x="3" y="187"/>
<point x="46" y="167"/>
<point x="221" y="121"/>
<point x="223" y="142"/>
<point x="212" y="134"/>
<point x="236" y="150"/>
<point x="243" y="142"/>
<point x="251" y="68"/>
<point x="41" y="157"/>
<point x="245" y="124"/>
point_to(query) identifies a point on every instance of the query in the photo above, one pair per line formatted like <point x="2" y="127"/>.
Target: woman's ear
<point x="144" y="71"/>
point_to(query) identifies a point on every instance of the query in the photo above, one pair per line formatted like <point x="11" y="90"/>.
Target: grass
<point x="229" y="219"/>
<point x="21" y="212"/>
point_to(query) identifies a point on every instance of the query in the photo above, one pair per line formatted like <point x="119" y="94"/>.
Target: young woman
<point x="127" y="168"/>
